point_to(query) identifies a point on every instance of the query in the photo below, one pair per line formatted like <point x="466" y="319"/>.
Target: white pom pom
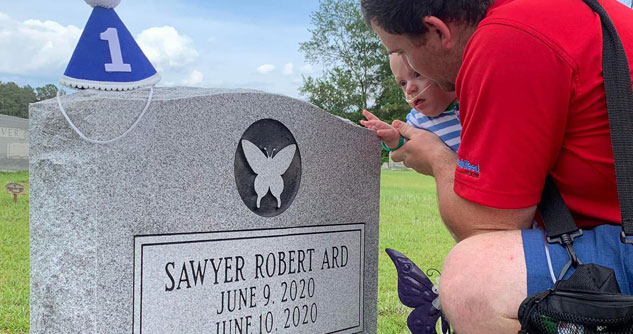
<point x="103" y="3"/>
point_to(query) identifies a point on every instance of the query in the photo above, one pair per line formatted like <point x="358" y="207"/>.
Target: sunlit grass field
<point x="14" y="256"/>
<point x="409" y="223"/>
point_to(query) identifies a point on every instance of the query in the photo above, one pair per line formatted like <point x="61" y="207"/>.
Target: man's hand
<point x="423" y="149"/>
<point x="427" y="154"/>
<point x="388" y="135"/>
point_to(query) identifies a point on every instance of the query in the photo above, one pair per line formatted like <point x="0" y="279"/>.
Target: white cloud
<point x="266" y="68"/>
<point x="194" y="78"/>
<point x="44" y="48"/>
<point x="306" y="69"/>
<point x="34" y="47"/>
<point x="166" y="48"/>
<point x="288" y="69"/>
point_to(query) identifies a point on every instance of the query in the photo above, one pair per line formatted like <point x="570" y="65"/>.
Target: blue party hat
<point x="107" y="56"/>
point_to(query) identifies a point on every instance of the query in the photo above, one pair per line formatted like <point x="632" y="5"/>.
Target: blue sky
<point x="229" y="44"/>
<point x="214" y="43"/>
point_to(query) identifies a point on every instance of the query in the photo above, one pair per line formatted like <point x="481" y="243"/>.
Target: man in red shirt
<point x="528" y="75"/>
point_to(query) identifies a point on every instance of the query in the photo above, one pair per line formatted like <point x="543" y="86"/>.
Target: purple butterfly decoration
<point x="416" y="291"/>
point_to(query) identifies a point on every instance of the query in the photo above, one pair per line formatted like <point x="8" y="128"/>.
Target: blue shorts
<point x="600" y="246"/>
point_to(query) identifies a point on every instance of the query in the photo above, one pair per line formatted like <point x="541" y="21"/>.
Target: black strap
<point x="555" y="214"/>
<point x="619" y="96"/>
<point x="559" y="222"/>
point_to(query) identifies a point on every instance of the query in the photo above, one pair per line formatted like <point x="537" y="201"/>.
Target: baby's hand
<point x="386" y="132"/>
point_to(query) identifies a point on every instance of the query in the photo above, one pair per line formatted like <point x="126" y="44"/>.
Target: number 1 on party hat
<point x="107" y="57"/>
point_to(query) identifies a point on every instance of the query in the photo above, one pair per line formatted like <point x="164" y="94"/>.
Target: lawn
<point x="409" y="223"/>
<point x="14" y="257"/>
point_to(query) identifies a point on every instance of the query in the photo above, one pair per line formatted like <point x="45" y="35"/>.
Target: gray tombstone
<point x="223" y="212"/>
<point x="396" y="165"/>
<point x="14" y="143"/>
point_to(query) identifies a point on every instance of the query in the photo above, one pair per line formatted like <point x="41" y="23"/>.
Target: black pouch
<point x="588" y="302"/>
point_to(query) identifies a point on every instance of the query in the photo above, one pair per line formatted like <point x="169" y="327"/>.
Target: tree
<point x="356" y="72"/>
<point x="15" y="100"/>
<point x="351" y="55"/>
<point x="334" y="92"/>
<point x="46" y="92"/>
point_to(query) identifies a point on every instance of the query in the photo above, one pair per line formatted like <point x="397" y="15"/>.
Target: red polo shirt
<point x="532" y="102"/>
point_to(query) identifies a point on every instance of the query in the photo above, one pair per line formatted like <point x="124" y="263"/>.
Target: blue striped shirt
<point x="446" y="125"/>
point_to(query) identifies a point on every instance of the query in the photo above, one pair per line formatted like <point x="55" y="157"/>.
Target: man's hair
<point x="404" y="17"/>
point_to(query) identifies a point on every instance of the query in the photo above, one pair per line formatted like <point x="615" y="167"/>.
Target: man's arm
<point x="427" y="154"/>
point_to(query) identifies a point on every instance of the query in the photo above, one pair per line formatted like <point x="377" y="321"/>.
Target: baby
<point x="433" y="109"/>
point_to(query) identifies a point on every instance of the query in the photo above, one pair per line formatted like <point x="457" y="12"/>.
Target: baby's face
<point x="422" y="94"/>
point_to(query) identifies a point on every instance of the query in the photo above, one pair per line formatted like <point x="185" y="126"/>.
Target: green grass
<point x="409" y="223"/>
<point x="14" y="256"/>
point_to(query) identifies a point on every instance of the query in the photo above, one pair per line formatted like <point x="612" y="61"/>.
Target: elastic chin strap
<point x="95" y="141"/>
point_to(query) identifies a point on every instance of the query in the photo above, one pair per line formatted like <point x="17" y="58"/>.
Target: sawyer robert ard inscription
<point x="293" y="280"/>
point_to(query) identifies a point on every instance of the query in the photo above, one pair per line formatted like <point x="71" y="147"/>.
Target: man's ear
<point x="441" y="30"/>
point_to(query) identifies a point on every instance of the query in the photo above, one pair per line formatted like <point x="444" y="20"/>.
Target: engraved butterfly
<point x="416" y="290"/>
<point x="269" y="169"/>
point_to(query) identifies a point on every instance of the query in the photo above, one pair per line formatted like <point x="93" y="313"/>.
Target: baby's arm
<point x="446" y="126"/>
<point x="388" y="135"/>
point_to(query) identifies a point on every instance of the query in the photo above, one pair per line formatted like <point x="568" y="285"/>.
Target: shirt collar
<point x="497" y="3"/>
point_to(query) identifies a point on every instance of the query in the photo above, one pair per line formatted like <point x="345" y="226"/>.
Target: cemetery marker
<point x="15" y="189"/>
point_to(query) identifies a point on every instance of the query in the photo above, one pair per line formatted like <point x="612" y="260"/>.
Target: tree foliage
<point x="351" y="55"/>
<point x="356" y="73"/>
<point x="14" y="100"/>
<point x="335" y="92"/>
<point x="46" y="92"/>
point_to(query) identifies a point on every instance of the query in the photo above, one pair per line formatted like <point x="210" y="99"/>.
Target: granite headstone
<point x="223" y="212"/>
<point x="14" y="143"/>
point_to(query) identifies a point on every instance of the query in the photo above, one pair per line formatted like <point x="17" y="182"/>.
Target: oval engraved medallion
<point x="267" y="167"/>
